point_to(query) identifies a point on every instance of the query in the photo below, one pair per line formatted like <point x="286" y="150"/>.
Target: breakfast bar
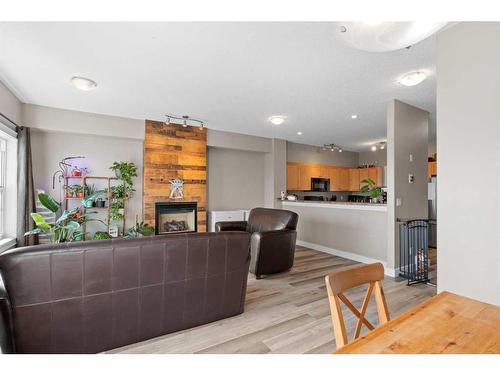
<point x="356" y="231"/>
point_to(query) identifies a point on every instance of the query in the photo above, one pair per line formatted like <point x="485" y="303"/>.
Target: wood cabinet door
<point x="292" y="177"/>
<point x="363" y="175"/>
<point x="353" y="179"/>
<point x="324" y="171"/>
<point x="432" y="169"/>
<point x="377" y="175"/>
<point x="344" y="179"/>
<point x="334" y="176"/>
<point x="305" y="173"/>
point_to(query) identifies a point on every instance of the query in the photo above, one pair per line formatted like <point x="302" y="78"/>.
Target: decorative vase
<point x="89" y="204"/>
<point x="100" y="203"/>
<point x="69" y="194"/>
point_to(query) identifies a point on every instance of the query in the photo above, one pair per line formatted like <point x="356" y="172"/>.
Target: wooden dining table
<point x="445" y="324"/>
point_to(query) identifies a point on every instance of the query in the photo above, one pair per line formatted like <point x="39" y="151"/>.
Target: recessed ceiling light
<point x="374" y="148"/>
<point x="382" y="146"/>
<point x="412" y="78"/>
<point x="354" y="117"/>
<point x="277" y="120"/>
<point x="83" y="83"/>
<point x="299" y="133"/>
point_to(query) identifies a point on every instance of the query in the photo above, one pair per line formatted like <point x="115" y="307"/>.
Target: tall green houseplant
<point x="124" y="171"/>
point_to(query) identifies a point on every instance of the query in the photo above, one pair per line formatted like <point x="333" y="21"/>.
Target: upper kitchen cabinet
<point x="339" y="179"/>
<point x="292" y="176"/>
<point x="354" y="181"/>
<point x="432" y="168"/>
<point x="377" y="175"/>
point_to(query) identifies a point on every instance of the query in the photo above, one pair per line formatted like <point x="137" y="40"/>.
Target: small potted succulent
<point x="70" y="193"/>
<point x="100" y="203"/>
<point x="88" y="190"/>
<point x="78" y="189"/>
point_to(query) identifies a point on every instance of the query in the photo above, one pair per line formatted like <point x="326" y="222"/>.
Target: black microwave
<point x="320" y="184"/>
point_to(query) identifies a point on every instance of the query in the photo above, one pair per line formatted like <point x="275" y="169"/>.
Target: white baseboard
<point x="345" y="254"/>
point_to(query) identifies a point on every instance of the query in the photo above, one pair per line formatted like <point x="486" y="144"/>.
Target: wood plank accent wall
<point x="172" y="151"/>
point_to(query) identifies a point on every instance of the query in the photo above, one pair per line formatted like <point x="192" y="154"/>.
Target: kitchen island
<point x="356" y="231"/>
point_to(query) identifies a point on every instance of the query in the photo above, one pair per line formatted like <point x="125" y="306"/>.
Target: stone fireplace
<point x="176" y="217"/>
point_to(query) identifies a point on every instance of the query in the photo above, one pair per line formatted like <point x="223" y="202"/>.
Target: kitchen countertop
<point x="335" y="204"/>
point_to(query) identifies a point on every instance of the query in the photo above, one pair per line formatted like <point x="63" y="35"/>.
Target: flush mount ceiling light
<point x="277" y="120"/>
<point x="83" y="83"/>
<point x="185" y="121"/>
<point x="332" y="147"/>
<point x="299" y="133"/>
<point x="374" y="148"/>
<point x="386" y="36"/>
<point x="354" y="117"/>
<point x="412" y="78"/>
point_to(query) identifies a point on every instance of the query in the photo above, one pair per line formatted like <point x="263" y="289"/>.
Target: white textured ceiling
<point x="233" y="75"/>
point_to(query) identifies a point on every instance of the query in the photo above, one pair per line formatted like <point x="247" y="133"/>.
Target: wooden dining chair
<point x="349" y="277"/>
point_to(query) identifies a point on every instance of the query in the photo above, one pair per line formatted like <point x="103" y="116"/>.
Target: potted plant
<point x="101" y="236"/>
<point x="78" y="189"/>
<point x="65" y="227"/>
<point x="140" y="229"/>
<point x="100" y="203"/>
<point x="69" y="191"/>
<point x="116" y="210"/>
<point x="369" y="187"/>
<point x="88" y="190"/>
<point x="124" y="171"/>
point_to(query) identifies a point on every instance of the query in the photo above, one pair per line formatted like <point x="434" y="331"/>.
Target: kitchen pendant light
<point x="385" y="36"/>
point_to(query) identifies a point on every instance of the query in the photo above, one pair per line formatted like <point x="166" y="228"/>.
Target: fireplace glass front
<point x="175" y="217"/>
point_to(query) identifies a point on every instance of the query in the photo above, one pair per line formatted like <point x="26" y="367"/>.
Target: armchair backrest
<point x="268" y="219"/>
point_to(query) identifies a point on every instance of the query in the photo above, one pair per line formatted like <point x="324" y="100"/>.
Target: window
<point x="3" y="178"/>
<point x="8" y="183"/>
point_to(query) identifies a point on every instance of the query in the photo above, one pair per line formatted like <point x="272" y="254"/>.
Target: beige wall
<point x="49" y="147"/>
<point x="55" y="119"/>
<point x="235" y="179"/>
<point x="407" y="134"/>
<point x="10" y="106"/>
<point x="300" y="153"/>
<point x="235" y="141"/>
<point x="468" y="148"/>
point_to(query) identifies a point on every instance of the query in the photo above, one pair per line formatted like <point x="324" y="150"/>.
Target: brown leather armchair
<point x="273" y="239"/>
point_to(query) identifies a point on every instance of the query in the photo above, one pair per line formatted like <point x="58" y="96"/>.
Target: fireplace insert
<point x="176" y="217"/>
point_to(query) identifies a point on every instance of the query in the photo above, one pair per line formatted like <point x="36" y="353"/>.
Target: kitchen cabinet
<point x="292" y="177"/>
<point x="334" y="176"/>
<point x="354" y="179"/>
<point x="377" y="175"/>
<point x="432" y="169"/>
<point x="363" y="175"/>
<point x="344" y="179"/>
<point x="306" y="172"/>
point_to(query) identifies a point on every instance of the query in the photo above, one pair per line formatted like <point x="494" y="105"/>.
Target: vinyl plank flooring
<point x="284" y="313"/>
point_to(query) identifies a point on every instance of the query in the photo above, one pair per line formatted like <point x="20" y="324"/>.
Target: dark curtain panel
<point x="25" y="189"/>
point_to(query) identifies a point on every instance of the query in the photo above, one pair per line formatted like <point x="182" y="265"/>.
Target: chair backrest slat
<point x="350" y="277"/>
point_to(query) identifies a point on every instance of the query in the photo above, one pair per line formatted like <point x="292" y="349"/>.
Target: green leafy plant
<point x="89" y="189"/>
<point x="140" y="229"/>
<point x="101" y="236"/>
<point x="116" y="209"/>
<point x="370" y="187"/>
<point x="67" y="225"/>
<point x="125" y="171"/>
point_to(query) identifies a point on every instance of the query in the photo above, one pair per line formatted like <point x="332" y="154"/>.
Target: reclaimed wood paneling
<point x="172" y="151"/>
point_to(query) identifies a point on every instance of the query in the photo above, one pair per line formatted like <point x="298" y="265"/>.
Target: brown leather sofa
<point x="88" y="297"/>
<point x="273" y="239"/>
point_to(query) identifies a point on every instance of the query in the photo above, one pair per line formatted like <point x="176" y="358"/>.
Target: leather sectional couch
<point x="89" y="297"/>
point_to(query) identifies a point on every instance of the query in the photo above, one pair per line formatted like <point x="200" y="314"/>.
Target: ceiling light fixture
<point x="277" y="120"/>
<point x="83" y="83"/>
<point x="386" y="36"/>
<point x="412" y="78"/>
<point x="374" y="148"/>
<point x="185" y="121"/>
<point x="354" y="117"/>
<point x="332" y="147"/>
<point x="299" y="133"/>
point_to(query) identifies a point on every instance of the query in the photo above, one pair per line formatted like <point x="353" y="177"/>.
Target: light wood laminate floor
<point x="284" y="313"/>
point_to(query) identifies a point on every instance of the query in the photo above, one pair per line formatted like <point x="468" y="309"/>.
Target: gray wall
<point x="378" y="158"/>
<point x="300" y="153"/>
<point x="468" y="147"/>
<point x="407" y="133"/>
<point x="235" y="179"/>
